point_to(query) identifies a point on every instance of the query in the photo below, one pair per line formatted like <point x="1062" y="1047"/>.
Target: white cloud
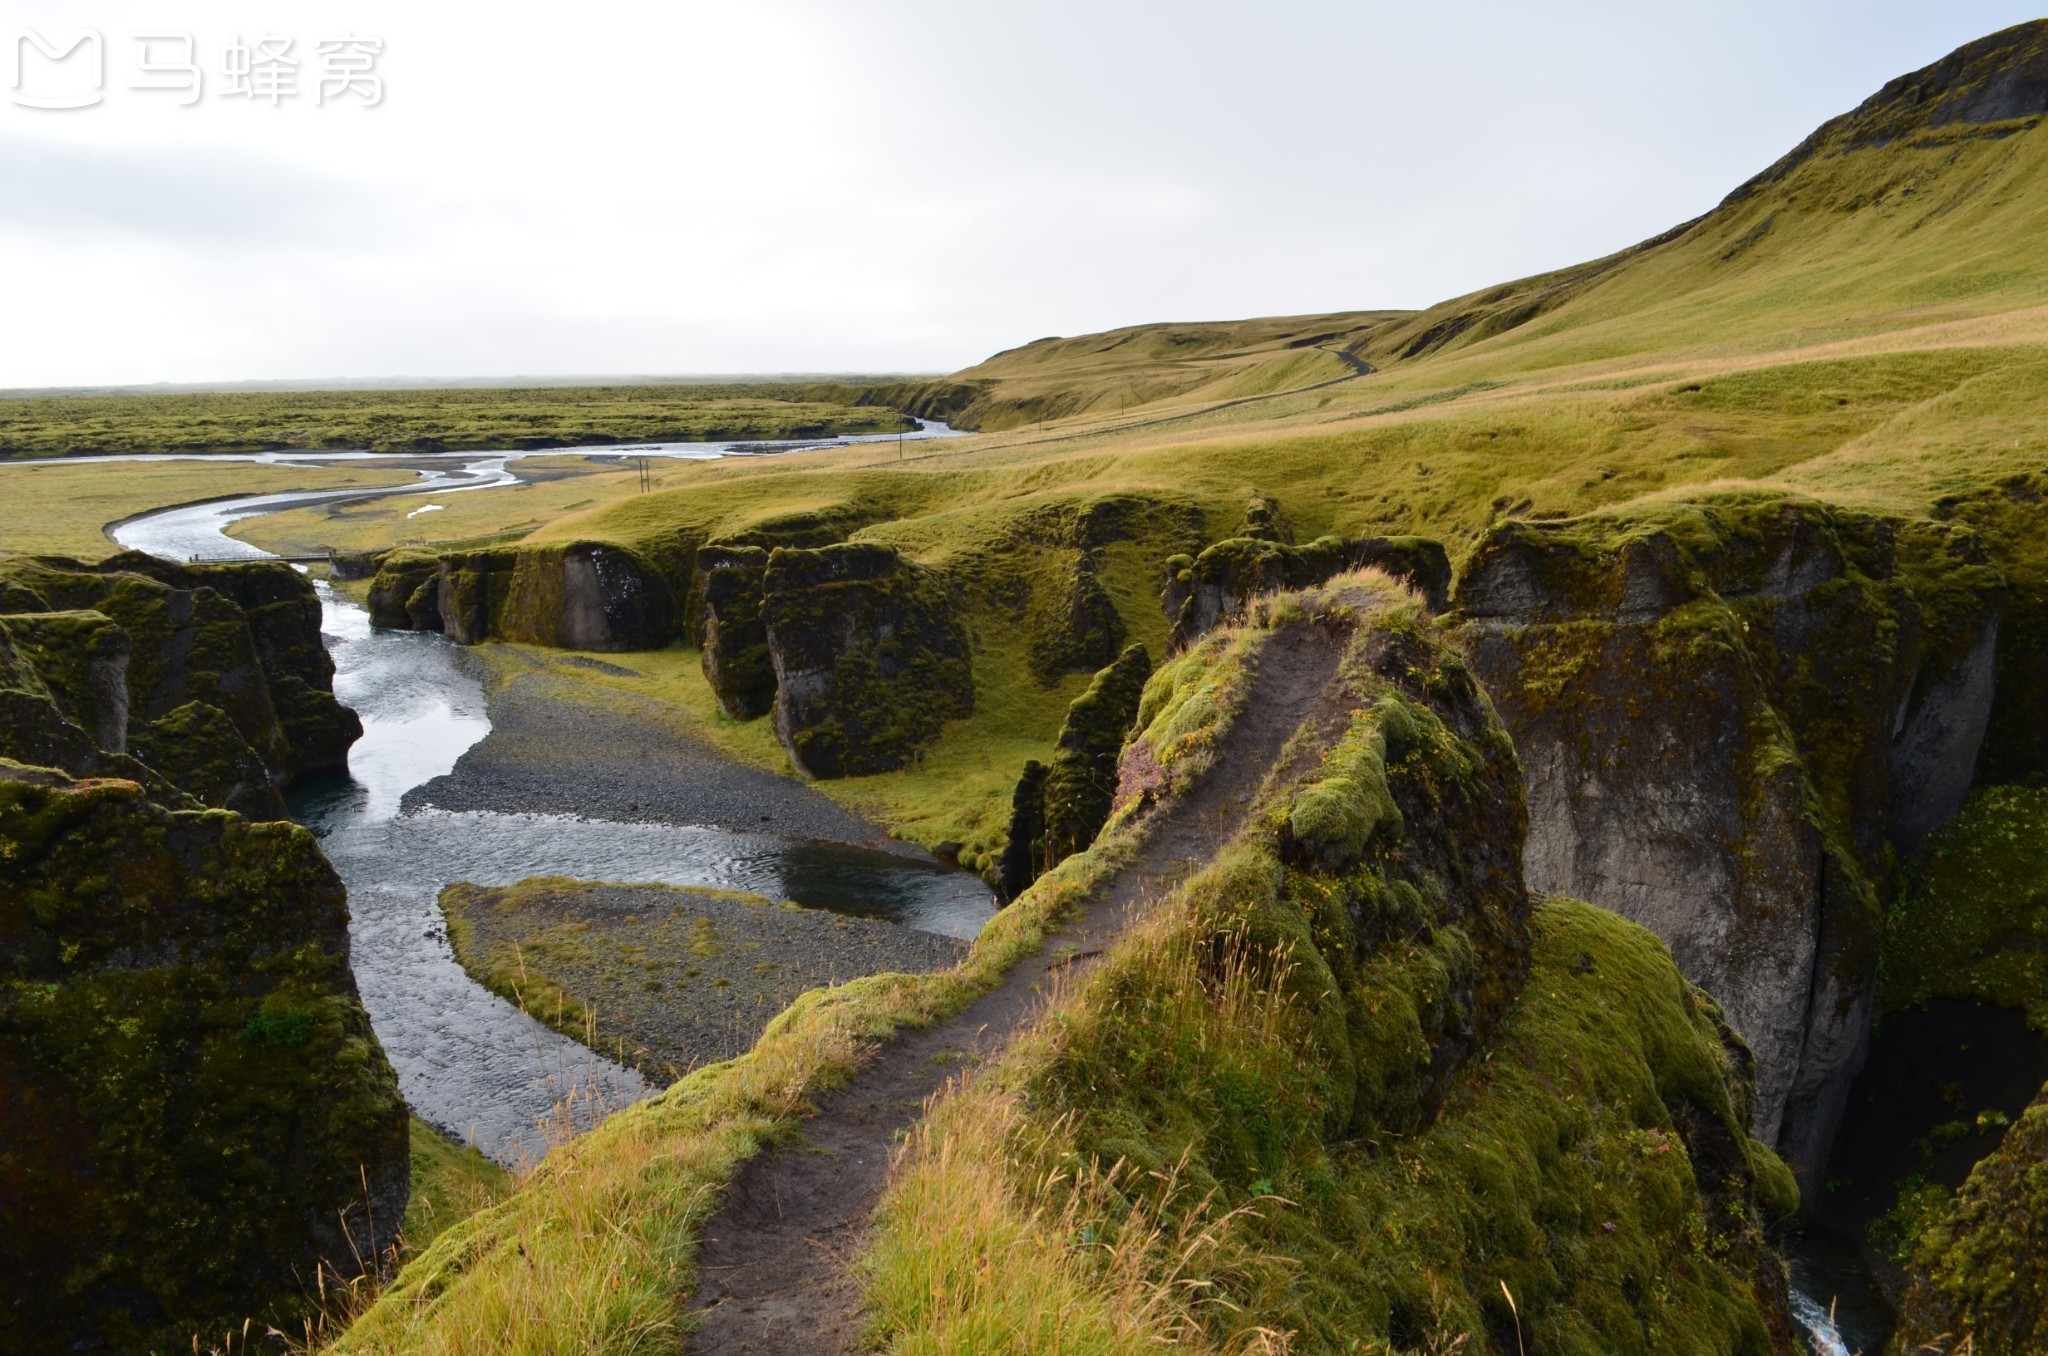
<point x="713" y="185"/>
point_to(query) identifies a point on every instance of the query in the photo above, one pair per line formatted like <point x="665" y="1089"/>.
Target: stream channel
<point x="466" y="1059"/>
<point x="471" y="1062"/>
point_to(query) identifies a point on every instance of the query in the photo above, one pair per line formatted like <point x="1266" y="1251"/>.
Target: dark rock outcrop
<point x="194" y="1113"/>
<point x="580" y="596"/>
<point x="1081" y="782"/>
<point x="1057" y="809"/>
<point x="869" y="658"/>
<point x="405" y="592"/>
<point x="1731" y="717"/>
<point x="737" y="664"/>
<point x="1020" y="862"/>
<point x="1202" y="590"/>
<point x="214" y="675"/>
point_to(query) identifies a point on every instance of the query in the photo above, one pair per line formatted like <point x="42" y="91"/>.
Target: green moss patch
<point x="1972" y="920"/>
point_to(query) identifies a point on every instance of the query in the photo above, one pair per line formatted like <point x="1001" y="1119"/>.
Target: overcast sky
<point x="864" y="185"/>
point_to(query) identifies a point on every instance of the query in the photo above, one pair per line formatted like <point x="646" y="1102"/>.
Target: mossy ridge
<point x="1591" y="1162"/>
<point x="1201" y="590"/>
<point x="1979" y="1264"/>
<point x="199" y="1101"/>
<point x="1270" y="1076"/>
<point x="596" y="1249"/>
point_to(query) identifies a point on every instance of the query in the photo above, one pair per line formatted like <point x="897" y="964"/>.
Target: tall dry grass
<point x="1001" y="1232"/>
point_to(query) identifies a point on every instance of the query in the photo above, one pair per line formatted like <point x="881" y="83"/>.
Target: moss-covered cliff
<point x="1058" y="809"/>
<point x="1348" y="1090"/>
<point x="194" y="1115"/>
<point x="214" y="677"/>
<point x="869" y="657"/>
<point x="1734" y="713"/>
<point x="737" y="662"/>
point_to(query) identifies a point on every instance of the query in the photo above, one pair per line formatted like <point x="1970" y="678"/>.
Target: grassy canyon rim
<point x="1465" y="786"/>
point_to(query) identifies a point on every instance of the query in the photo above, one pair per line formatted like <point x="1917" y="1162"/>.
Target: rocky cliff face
<point x="583" y="596"/>
<point x="737" y="663"/>
<point x="213" y="676"/>
<point x="587" y="596"/>
<point x="869" y="658"/>
<point x="194" y="1114"/>
<point x="1732" y="716"/>
<point x="1057" y="810"/>
<point x="1202" y="590"/>
<point x="2012" y="519"/>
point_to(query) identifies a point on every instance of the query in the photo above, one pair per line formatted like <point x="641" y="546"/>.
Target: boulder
<point x="870" y="660"/>
<point x="1731" y="717"/>
<point x="195" y="1117"/>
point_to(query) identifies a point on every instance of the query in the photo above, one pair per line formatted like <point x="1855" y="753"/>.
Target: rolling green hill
<point x="1924" y="206"/>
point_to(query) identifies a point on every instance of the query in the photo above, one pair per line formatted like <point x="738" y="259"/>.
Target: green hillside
<point x="1923" y="207"/>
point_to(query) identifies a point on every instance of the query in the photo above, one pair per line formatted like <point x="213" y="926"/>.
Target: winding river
<point x="466" y="1059"/>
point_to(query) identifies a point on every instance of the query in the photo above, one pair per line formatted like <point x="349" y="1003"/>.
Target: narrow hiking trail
<point x="775" y="1262"/>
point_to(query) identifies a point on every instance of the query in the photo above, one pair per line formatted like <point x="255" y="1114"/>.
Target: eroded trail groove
<point x="774" y="1262"/>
